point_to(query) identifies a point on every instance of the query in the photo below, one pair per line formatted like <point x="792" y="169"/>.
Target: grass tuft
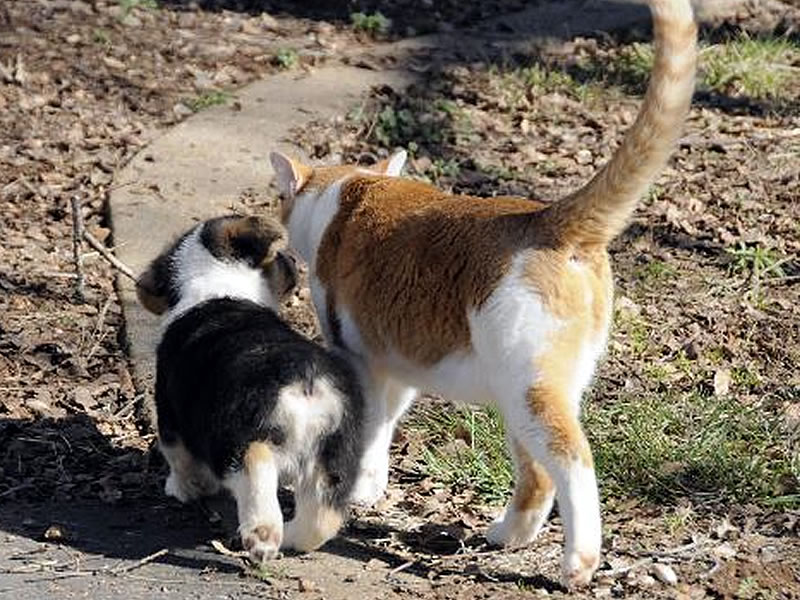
<point x="374" y="24"/>
<point x="707" y="447"/>
<point x="208" y="99"/>
<point x="286" y="58"/>
<point x="755" y="67"/>
<point x="465" y="448"/>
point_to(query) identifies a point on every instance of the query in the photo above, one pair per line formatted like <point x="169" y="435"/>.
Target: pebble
<point x="181" y="110"/>
<point x="583" y="157"/>
<point x="54" y="533"/>
<point x="113" y="63"/>
<point x="306" y="585"/>
<point x="665" y="574"/>
<point x="725" y="550"/>
<point x="646" y="581"/>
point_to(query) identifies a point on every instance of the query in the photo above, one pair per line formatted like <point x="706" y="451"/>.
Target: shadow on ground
<point x="67" y="484"/>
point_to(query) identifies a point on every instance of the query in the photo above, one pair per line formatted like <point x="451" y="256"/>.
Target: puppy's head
<point x="239" y="257"/>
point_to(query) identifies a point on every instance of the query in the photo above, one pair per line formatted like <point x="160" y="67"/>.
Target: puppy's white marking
<point x="201" y="276"/>
<point x="305" y="416"/>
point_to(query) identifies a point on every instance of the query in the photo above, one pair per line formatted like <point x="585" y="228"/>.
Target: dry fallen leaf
<point x="722" y="382"/>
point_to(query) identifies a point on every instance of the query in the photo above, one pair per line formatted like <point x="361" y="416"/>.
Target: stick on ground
<point x="77" y="235"/>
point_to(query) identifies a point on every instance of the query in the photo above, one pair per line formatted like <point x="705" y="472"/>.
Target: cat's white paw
<point x="578" y="567"/>
<point x="370" y="486"/>
<point x="515" y="528"/>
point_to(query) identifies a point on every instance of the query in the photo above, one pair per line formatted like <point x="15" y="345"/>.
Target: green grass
<point x="655" y="271"/>
<point x="706" y="447"/>
<point x="101" y="36"/>
<point x="755" y="67"/>
<point x="374" y="24"/>
<point x="749" y="66"/>
<point x="465" y="449"/>
<point x="128" y="5"/>
<point x="286" y="58"/>
<point x="759" y="264"/>
<point x="264" y="572"/>
<point x="516" y="84"/>
<point x="208" y="99"/>
<point x="662" y="447"/>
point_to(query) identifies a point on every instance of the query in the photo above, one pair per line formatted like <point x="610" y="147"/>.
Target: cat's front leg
<point x="387" y="400"/>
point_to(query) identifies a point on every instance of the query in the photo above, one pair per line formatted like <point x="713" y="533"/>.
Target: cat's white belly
<point x="458" y="377"/>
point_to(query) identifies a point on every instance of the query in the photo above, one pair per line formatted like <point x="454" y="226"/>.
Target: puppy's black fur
<point x="221" y="367"/>
<point x="243" y="400"/>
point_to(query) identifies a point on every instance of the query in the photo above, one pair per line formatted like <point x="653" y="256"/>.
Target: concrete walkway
<point x="199" y="167"/>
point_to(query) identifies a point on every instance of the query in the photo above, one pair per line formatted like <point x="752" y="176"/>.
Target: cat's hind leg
<point x="544" y="422"/>
<point x="534" y="492"/>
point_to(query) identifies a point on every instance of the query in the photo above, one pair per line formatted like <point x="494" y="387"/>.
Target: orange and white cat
<point x="502" y="300"/>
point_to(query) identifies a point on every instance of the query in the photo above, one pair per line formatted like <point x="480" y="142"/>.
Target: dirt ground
<point x="85" y="85"/>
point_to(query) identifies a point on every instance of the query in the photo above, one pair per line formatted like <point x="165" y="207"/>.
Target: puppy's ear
<point x="252" y="240"/>
<point x="291" y="175"/>
<point x="151" y="291"/>
<point x="393" y="165"/>
<point x="282" y="273"/>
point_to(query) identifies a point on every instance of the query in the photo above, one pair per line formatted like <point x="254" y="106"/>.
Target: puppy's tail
<point x="598" y="212"/>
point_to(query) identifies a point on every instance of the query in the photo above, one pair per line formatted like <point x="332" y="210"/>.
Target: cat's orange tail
<point x="599" y="211"/>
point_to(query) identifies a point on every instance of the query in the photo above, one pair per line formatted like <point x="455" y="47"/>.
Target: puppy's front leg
<point x="255" y="488"/>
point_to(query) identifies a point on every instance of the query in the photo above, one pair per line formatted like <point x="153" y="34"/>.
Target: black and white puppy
<point x="242" y="400"/>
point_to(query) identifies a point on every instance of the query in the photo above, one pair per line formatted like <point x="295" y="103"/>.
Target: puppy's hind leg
<point x="255" y="488"/>
<point x="317" y="516"/>
<point x="188" y="478"/>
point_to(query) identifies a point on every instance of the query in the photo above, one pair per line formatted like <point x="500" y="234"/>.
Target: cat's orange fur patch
<point x="447" y="253"/>
<point x="533" y="486"/>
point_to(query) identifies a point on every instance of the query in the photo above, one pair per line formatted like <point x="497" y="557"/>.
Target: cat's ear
<point x="290" y="174"/>
<point x="393" y="165"/>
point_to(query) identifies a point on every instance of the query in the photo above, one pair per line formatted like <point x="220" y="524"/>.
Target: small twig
<point x="630" y="567"/>
<point x="222" y="549"/>
<point x="141" y="562"/>
<point x="98" y="326"/>
<point x="106" y="253"/>
<point x="401" y="568"/>
<point x="77" y="235"/>
<point x="16" y="488"/>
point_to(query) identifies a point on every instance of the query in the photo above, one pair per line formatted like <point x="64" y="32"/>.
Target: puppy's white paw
<point x="187" y="489"/>
<point x="174" y="487"/>
<point x="262" y="541"/>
